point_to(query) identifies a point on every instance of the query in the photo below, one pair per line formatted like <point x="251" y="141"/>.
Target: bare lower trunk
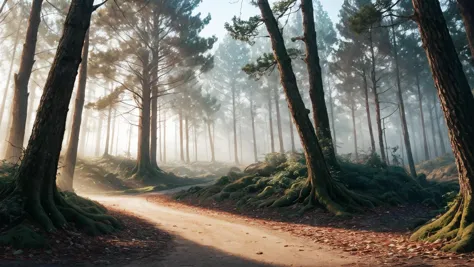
<point x="234" y="122"/>
<point x="422" y="118"/>
<point x="456" y="225"/>
<point x="433" y="130"/>
<point x="440" y="133"/>
<point x="354" y="130"/>
<point x="112" y="139"/>
<point x="367" y="110"/>
<point x="98" y="140"/>
<point x="195" y="144"/>
<point x="272" y="141"/>
<point x="181" y="143"/>
<point x="187" y="138"/>
<point x="277" y="108"/>
<point x="333" y="122"/>
<point x="211" y="143"/>
<point x="292" y="135"/>
<point x="164" y="137"/>
<point x="10" y="70"/>
<point x="107" y="134"/>
<point x="14" y="147"/>
<point x="254" y="138"/>
<point x="66" y="182"/>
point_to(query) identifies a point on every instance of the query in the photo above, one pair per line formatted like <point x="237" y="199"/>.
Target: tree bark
<point x="367" y="110"/>
<point x="277" y="108"/>
<point x="456" y="225"/>
<point x="85" y="124"/>
<point x="316" y="90"/>
<point x="164" y="137"/>
<point x="320" y="186"/>
<point x="406" y="135"/>
<point x="14" y="147"/>
<point x="254" y="138"/>
<point x="333" y="121"/>
<point x="466" y="8"/>
<point x="36" y="189"/>
<point x="66" y="181"/>
<point x="195" y="144"/>
<point x="112" y="138"/>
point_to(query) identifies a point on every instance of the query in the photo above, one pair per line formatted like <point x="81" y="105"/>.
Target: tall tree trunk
<point x="112" y="138"/>
<point x="234" y="122"/>
<point x="98" y="140"/>
<point x="66" y="181"/>
<point x="367" y="110"/>
<point x="36" y="189"/>
<point x="254" y="138"/>
<point x="333" y="122"/>
<point x="143" y="168"/>
<point x="129" y="141"/>
<point x="292" y="134"/>
<point x="211" y="143"/>
<point x="181" y="143"/>
<point x="316" y="90"/>
<point x="320" y="186"/>
<point x="85" y="124"/>
<point x="276" y="96"/>
<point x="107" y="134"/>
<point x="10" y="70"/>
<point x="376" y="97"/>
<point x="401" y="104"/>
<point x="457" y="101"/>
<point x="433" y="130"/>
<point x="354" y="130"/>
<point x="440" y="133"/>
<point x="14" y="146"/>
<point x="164" y="136"/>
<point x="160" y="133"/>
<point x="186" y="123"/>
<point x="422" y="118"/>
<point x="31" y="112"/>
<point x="272" y="141"/>
<point x="195" y="144"/>
<point x="466" y="8"/>
<point x="214" y="138"/>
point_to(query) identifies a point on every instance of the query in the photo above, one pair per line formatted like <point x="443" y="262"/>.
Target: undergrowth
<point x="278" y="180"/>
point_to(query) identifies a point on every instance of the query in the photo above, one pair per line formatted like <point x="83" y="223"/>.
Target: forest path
<point x="202" y="240"/>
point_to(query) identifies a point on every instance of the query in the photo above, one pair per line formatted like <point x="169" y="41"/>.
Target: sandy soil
<point x="202" y="240"/>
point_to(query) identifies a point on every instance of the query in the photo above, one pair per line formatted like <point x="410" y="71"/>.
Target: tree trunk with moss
<point x="35" y="195"/>
<point x="433" y="129"/>
<point x="316" y="90"/>
<point x="67" y="175"/>
<point x="14" y="146"/>
<point x="456" y="225"/>
<point x="321" y="188"/>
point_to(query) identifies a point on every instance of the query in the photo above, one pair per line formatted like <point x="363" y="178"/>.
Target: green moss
<point x="267" y="192"/>
<point x="239" y="184"/>
<point x="21" y="237"/>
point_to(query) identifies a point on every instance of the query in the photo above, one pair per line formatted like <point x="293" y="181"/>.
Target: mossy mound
<point x="279" y="180"/>
<point x="439" y="169"/>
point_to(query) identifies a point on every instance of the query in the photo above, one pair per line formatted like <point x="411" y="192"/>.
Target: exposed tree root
<point x="456" y="227"/>
<point x="57" y="211"/>
<point x="335" y="198"/>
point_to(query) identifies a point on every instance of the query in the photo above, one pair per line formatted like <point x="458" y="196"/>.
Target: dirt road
<point x="212" y="241"/>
